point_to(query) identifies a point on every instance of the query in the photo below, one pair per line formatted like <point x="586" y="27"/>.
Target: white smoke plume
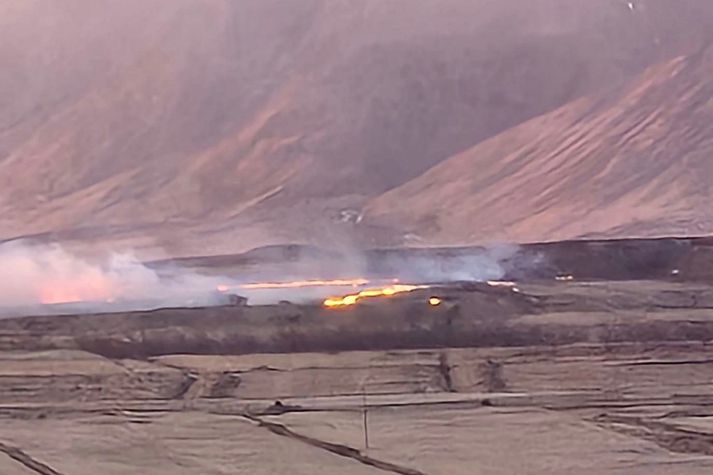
<point x="451" y="265"/>
<point x="46" y="279"/>
<point x="35" y="275"/>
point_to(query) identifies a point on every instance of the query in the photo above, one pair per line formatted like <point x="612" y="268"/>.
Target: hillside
<point x="216" y="126"/>
<point x="633" y="162"/>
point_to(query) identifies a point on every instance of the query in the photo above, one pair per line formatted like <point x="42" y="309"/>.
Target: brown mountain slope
<point x="632" y="163"/>
<point x="215" y="126"/>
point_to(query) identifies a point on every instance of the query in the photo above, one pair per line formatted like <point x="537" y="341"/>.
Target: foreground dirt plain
<point x="552" y="377"/>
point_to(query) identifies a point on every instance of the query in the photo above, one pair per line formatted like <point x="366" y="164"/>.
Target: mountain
<point x="630" y="162"/>
<point x="208" y="126"/>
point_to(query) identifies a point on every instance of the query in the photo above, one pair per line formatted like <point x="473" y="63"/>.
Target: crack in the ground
<point x="337" y="449"/>
<point x="667" y="436"/>
<point x="494" y="378"/>
<point x="602" y="405"/>
<point x="267" y="368"/>
<point x="475" y="403"/>
<point x="664" y="362"/>
<point x="26" y="460"/>
<point x="445" y="369"/>
<point x="190" y="378"/>
<point x="223" y="382"/>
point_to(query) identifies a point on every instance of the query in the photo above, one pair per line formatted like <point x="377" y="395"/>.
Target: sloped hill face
<point x="215" y="126"/>
<point x="631" y="163"/>
<point x="165" y="93"/>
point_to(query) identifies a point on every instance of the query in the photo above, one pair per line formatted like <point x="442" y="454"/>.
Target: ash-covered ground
<point x="604" y="372"/>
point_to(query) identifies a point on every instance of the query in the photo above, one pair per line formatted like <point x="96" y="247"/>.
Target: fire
<point x="91" y="288"/>
<point x="352" y="299"/>
<point x="501" y="283"/>
<point x="434" y="301"/>
<point x="298" y="284"/>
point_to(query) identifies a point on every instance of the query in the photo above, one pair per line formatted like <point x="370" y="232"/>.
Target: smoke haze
<point x="476" y="265"/>
<point x="47" y="279"/>
<point x="32" y="275"/>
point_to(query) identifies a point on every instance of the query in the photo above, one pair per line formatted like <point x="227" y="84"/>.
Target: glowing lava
<point x="352" y="299"/>
<point x="297" y="284"/>
<point x="434" y="301"/>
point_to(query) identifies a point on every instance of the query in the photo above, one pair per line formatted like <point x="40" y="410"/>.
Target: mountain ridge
<point x="630" y="163"/>
<point x="213" y="126"/>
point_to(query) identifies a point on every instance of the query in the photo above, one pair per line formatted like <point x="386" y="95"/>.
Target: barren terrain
<point x="589" y="375"/>
<point x="631" y="162"/>
<point x="231" y="125"/>
<point x="393" y="141"/>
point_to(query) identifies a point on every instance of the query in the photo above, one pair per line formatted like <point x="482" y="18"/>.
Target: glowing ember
<point x="435" y="301"/>
<point x="501" y="283"/>
<point x="299" y="284"/>
<point x="352" y="299"/>
<point x="90" y="288"/>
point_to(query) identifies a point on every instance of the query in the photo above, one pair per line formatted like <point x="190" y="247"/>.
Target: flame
<point x="91" y="288"/>
<point x="352" y="299"/>
<point x="501" y="283"/>
<point x="434" y="301"/>
<point x="297" y="284"/>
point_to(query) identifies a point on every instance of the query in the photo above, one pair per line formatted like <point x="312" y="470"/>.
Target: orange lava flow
<point x="352" y="299"/>
<point x="298" y="284"/>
